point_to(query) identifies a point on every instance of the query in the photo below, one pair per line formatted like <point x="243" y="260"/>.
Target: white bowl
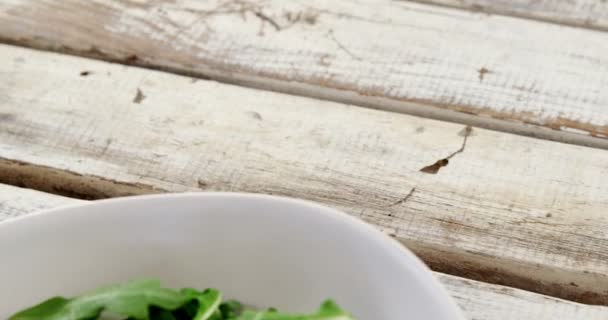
<point x="263" y="250"/>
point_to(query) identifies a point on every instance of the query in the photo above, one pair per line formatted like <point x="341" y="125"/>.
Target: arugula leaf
<point x="208" y="303"/>
<point x="50" y="306"/>
<point x="231" y="309"/>
<point x="147" y="300"/>
<point x="160" y="314"/>
<point x="186" y="312"/>
<point x="132" y="299"/>
<point x="329" y="311"/>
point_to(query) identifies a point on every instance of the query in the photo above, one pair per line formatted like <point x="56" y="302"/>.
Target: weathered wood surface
<point x="592" y="14"/>
<point x="491" y="71"/>
<point x="507" y="209"/>
<point x="481" y="301"/>
<point x="19" y="201"/>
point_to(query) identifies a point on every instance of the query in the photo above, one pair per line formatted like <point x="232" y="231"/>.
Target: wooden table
<point x="473" y="131"/>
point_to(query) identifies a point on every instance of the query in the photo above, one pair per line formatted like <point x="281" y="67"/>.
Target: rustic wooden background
<point x="356" y="104"/>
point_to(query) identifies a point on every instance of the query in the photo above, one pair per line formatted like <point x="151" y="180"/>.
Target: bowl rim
<point x="405" y="255"/>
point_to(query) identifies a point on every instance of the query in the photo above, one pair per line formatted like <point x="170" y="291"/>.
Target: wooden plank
<point x="490" y="71"/>
<point x="19" y="201"/>
<point x="507" y="209"/>
<point x="591" y="14"/>
<point x="481" y="301"/>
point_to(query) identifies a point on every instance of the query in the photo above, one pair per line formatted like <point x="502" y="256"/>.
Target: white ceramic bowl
<point x="263" y="250"/>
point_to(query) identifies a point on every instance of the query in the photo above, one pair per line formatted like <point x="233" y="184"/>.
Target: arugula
<point x="208" y="303"/>
<point x="132" y="299"/>
<point x="147" y="300"/>
<point x="328" y="311"/>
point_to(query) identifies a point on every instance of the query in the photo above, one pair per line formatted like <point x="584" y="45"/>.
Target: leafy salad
<point x="147" y="300"/>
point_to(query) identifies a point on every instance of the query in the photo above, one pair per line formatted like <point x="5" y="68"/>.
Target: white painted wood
<point x="19" y="201"/>
<point x="486" y="70"/>
<point x="481" y="301"/>
<point x="508" y="209"/>
<point x="591" y="14"/>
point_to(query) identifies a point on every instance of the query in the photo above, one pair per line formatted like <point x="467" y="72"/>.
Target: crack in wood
<point x="404" y="199"/>
<point x="435" y="167"/>
<point x="106" y="146"/>
<point x="266" y="18"/>
<point x="139" y="96"/>
<point x="342" y="47"/>
<point x="482" y="73"/>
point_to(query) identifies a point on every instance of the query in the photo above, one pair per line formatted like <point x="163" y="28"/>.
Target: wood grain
<point x="16" y="201"/>
<point x="591" y="14"/>
<point x="507" y="209"/>
<point x="490" y="71"/>
<point x="480" y="301"/>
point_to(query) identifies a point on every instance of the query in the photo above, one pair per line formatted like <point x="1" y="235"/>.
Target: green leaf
<point x="132" y="299"/>
<point x="41" y="310"/>
<point x="231" y="309"/>
<point x="329" y="310"/>
<point x="187" y="311"/>
<point x="208" y="303"/>
<point x="160" y="314"/>
<point x="146" y="300"/>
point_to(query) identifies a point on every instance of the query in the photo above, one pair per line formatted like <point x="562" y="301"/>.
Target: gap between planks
<point x="480" y="301"/>
<point x="529" y="85"/>
<point x="507" y="209"/>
